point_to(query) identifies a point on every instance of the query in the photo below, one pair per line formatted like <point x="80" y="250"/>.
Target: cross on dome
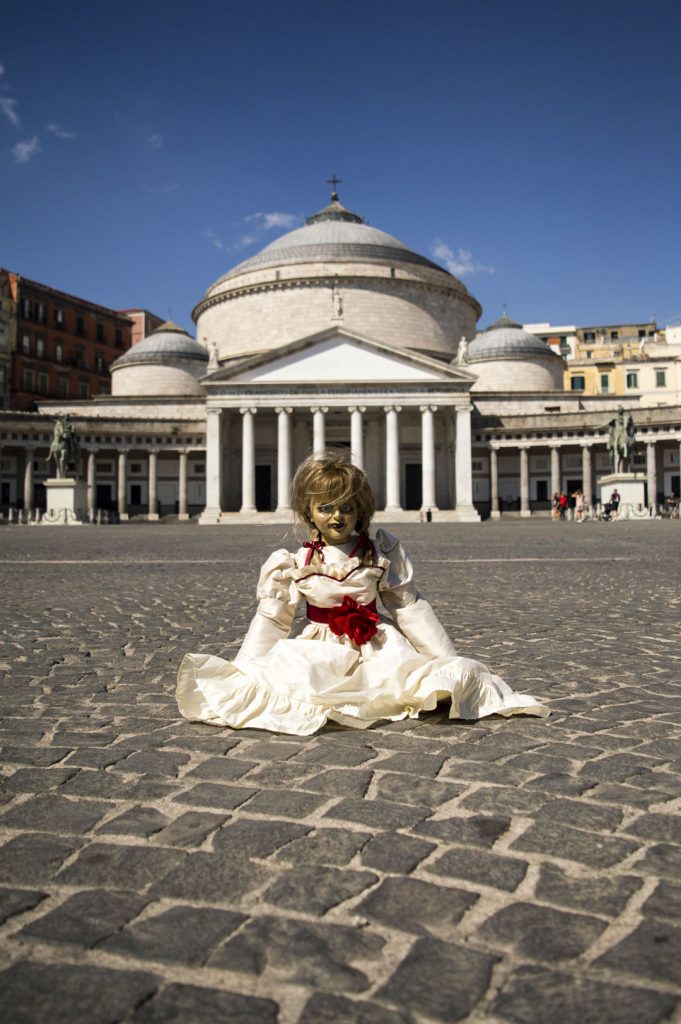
<point x="333" y="181"/>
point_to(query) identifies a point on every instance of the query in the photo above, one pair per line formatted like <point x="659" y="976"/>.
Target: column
<point x="524" y="482"/>
<point x="283" y="459"/>
<point x="247" y="460"/>
<point x="495" y="512"/>
<point x="465" y="509"/>
<point x="152" y="485"/>
<point x="318" y="429"/>
<point x="587" y="476"/>
<point x="92" y="484"/>
<point x="213" y="509"/>
<point x="183" y="515"/>
<point x="123" y="484"/>
<point x="392" y="459"/>
<point x="28" y="479"/>
<point x="555" y="470"/>
<point x="428" y="499"/>
<point x="357" y="435"/>
<point x="651" y="467"/>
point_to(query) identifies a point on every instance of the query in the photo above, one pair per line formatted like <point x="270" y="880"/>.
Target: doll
<point x="349" y="664"/>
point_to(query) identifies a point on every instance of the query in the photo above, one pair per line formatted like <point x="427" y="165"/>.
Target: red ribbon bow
<point x="357" y="621"/>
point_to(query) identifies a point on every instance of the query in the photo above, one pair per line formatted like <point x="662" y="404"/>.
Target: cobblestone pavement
<point x="521" y="870"/>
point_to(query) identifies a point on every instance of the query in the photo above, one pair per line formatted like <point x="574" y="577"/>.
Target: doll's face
<point x="336" y="522"/>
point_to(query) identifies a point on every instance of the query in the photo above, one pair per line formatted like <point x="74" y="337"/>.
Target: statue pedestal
<point x="632" y="489"/>
<point x="66" y="502"/>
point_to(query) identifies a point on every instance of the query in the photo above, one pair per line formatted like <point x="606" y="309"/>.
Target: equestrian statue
<point x="65" y="449"/>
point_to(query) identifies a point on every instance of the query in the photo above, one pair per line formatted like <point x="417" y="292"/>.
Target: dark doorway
<point x="104" y="500"/>
<point x="413" y="485"/>
<point x="135" y="494"/>
<point x="263" y="488"/>
<point x="4" y="497"/>
<point x="40" y="497"/>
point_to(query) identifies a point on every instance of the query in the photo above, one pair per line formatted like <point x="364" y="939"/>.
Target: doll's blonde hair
<point x="330" y="477"/>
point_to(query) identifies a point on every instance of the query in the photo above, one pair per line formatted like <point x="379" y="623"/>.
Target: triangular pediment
<point x="336" y="357"/>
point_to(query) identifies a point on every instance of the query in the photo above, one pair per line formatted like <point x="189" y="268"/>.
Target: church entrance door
<point x="413" y="488"/>
<point x="263" y="488"/>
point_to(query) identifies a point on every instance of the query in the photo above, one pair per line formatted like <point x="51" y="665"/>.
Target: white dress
<point x="295" y="685"/>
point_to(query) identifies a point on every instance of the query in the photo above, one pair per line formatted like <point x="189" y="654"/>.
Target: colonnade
<point x="363" y="434"/>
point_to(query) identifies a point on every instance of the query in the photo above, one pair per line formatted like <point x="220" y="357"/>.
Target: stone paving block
<point x="165" y="763"/>
<point x="541" y="933"/>
<point x="478" y="830"/>
<point x="54" y="813"/>
<point x="214" y="743"/>
<point x="273" y="749"/>
<point x="324" y="846"/>
<point x="285" y="803"/>
<point x="576" y="814"/>
<point x="652" y="951"/>
<point x="189" y="1004"/>
<point x="469" y="771"/>
<point x="98" y="757"/>
<point x="322" y="956"/>
<point x="210" y="877"/>
<point x="61" y="993"/>
<point x="411" y="790"/>
<point x="323" y="1008"/>
<point x="340" y="782"/>
<point x="17" y="901"/>
<point x="38" y="780"/>
<point x="215" y="796"/>
<point x="190" y="829"/>
<point x="536" y="996"/>
<point x="439" y="980"/>
<point x="281" y="775"/>
<point x="484" y="868"/>
<point x="138" y="821"/>
<point x="35" y="859"/>
<point x="662" y="860"/>
<point x="219" y="769"/>
<point x="665" y="901"/>
<point x="409" y="904"/>
<point x="182" y="934"/>
<point x="658" y="827"/>
<point x="85" y="918"/>
<point x="334" y="753"/>
<point x="620" y="767"/>
<point x="394" y="852"/>
<point x="251" y="837"/>
<point x="377" y="814"/>
<point x="425" y="765"/>
<point x="119" y="867"/>
<point x="601" y="894"/>
<point x="560" y="783"/>
<point x="315" y="888"/>
<point x="567" y="843"/>
<point x="627" y="796"/>
<point x="503" y="800"/>
<point x="36" y="756"/>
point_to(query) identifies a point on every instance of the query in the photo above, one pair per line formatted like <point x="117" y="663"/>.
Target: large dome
<point x="336" y="270"/>
<point x="167" y="362"/>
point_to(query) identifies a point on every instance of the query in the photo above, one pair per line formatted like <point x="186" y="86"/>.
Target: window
<point x="660" y="378"/>
<point x="577" y="383"/>
<point x="28" y="380"/>
<point x="100" y="363"/>
<point x="59" y="351"/>
<point x="589" y="355"/>
<point x="83" y="389"/>
<point x="589" y="335"/>
<point x="42" y="383"/>
<point x="135" y="467"/>
<point x="26" y="345"/>
<point x="632" y="380"/>
<point x="476" y="466"/>
<point x="26" y="309"/>
<point x="605" y="383"/>
<point x="79" y="356"/>
<point x="119" y="338"/>
<point x="41" y="313"/>
<point x="40" y="348"/>
<point x="63" y="386"/>
<point x="80" y="326"/>
<point x="641" y="334"/>
<point x="103" y="389"/>
<point x="100" y="332"/>
<point x="59" y="317"/>
<point x="614" y="335"/>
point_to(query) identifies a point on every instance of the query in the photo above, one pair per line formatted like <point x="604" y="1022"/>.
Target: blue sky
<point x="532" y="146"/>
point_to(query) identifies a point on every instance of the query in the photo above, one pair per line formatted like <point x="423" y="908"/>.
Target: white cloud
<point x="60" y="133"/>
<point x="8" y="106"/>
<point x="268" y="221"/>
<point x="155" y="140"/>
<point x="460" y="262"/>
<point x="172" y="187"/>
<point x="210" y="236"/>
<point x="25" y="151"/>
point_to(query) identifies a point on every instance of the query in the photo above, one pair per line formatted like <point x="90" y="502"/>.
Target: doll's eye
<point x="325" y="508"/>
<point x="345" y="509"/>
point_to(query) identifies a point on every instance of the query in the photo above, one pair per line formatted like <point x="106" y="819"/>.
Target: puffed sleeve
<point x="277" y="600"/>
<point x="412" y="614"/>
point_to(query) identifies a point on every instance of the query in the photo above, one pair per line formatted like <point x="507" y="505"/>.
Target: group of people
<point x="560" y="503"/>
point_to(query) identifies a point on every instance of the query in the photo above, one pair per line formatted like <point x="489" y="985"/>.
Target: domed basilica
<point x="337" y="334"/>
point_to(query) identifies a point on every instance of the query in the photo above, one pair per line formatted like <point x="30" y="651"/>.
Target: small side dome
<point x="505" y="357"/>
<point x="168" y="362"/>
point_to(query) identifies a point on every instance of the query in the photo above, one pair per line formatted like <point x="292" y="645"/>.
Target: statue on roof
<point x="65" y="448"/>
<point x="621" y="440"/>
<point x="462" y="351"/>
